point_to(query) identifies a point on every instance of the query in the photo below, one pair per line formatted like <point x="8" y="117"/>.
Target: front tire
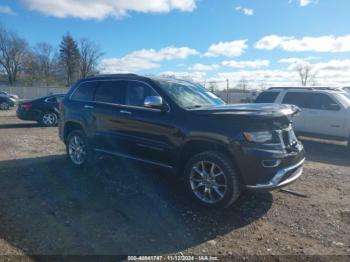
<point x="79" y="150"/>
<point x="49" y="119"/>
<point x="212" y="179"/>
<point x="4" y="106"/>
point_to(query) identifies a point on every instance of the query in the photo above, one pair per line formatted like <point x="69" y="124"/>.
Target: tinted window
<point x="267" y="97"/>
<point x="136" y="93"/>
<point x="110" y="92"/>
<point x="59" y="98"/>
<point x="322" y="102"/>
<point x="55" y="99"/>
<point x="299" y="99"/>
<point x="85" y="91"/>
<point x="52" y="100"/>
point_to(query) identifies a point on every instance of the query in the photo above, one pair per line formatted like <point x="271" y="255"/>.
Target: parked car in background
<point x="44" y="110"/>
<point x="325" y="111"/>
<point x="6" y="102"/>
<point x="3" y="93"/>
<point x="217" y="149"/>
<point x="347" y="89"/>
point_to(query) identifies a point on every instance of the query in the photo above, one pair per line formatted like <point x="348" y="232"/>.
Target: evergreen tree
<point x="69" y="58"/>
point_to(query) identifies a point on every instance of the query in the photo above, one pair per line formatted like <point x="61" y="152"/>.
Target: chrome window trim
<point x="114" y="104"/>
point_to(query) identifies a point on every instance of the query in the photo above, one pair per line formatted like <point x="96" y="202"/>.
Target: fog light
<point x="271" y="163"/>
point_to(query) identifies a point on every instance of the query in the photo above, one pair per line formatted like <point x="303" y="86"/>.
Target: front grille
<point x="288" y="137"/>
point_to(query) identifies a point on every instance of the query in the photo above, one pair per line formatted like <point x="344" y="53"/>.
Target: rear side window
<point x="136" y="93"/>
<point x="267" y="97"/>
<point x="110" y="92"/>
<point x="299" y="99"/>
<point x="85" y="91"/>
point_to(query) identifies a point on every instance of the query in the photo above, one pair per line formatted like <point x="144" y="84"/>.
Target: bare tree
<point x="243" y="84"/>
<point x="90" y="54"/>
<point x="13" y="51"/>
<point x="306" y="73"/>
<point x="213" y="87"/>
<point x="46" y="61"/>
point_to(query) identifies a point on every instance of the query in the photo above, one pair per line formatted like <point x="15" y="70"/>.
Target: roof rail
<point x="306" y="88"/>
<point x="113" y="75"/>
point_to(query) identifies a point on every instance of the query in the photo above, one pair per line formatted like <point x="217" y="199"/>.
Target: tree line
<point x="45" y="64"/>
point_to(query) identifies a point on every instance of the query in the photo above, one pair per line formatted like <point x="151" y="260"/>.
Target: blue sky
<point x="259" y="40"/>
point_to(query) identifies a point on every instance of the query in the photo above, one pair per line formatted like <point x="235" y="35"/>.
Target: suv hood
<point x="262" y="110"/>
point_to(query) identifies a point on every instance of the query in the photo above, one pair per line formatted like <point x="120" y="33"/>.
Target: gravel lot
<point x="120" y="207"/>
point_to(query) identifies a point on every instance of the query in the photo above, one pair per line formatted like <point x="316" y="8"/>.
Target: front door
<point x="324" y="116"/>
<point x="149" y="132"/>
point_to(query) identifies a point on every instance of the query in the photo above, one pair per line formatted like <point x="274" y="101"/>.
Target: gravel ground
<point x="47" y="207"/>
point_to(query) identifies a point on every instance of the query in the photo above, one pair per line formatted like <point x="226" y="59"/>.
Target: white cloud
<point x="329" y="43"/>
<point x="4" y="9"/>
<point x="328" y="73"/>
<point x="230" y="49"/>
<point x="145" y="59"/>
<point x="334" y="65"/>
<point x="246" y="64"/>
<point x="203" y="68"/>
<point x="304" y="3"/>
<point x="91" y="9"/>
<point x="245" y="11"/>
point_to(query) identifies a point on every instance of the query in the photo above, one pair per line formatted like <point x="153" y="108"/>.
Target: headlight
<point x="258" y="137"/>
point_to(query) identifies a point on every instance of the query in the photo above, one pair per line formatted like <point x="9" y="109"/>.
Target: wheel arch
<point x="69" y="127"/>
<point x="196" y="146"/>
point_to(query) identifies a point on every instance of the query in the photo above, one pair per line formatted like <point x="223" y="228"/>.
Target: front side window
<point x="85" y="91"/>
<point x="322" y="102"/>
<point x="136" y="92"/>
<point x="267" y="97"/>
<point x="110" y="92"/>
<point x="189" y="95"/>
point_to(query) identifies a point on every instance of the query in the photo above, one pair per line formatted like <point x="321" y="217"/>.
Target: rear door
<point x="324" y="115"/>
<point x="81" y="105"/>
<point x="108" y="98"/>
<point x="298" y="99"/>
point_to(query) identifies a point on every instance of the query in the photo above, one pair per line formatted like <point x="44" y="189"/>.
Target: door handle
<point x="125" y="112"/>
<point x="88" y="107"/>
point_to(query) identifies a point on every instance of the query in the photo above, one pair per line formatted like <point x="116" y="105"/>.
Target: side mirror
<point x="333" y="107"/>
<point x="155" y="102"/>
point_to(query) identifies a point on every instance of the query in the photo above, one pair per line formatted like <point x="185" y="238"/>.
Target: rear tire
<point x="78" y="149"/>
<point x="212" y="180"/>
<point x="4" y="106"/>
<point x="49" y="119"/>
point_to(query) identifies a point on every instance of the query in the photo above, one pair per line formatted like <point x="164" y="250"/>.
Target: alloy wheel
<point x="4" y="106"/>
<point x="208" y="182"/>
<point x="77" y="150"/>
<point x="49" y="119"/>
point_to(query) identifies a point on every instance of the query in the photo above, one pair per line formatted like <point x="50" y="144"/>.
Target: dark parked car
<point x="6" y="102"/>
<point x="217" y="149"/>
<point x="44" y="110"/>
<point x="3" y="93"/>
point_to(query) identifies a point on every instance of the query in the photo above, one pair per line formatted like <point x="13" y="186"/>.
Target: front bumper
<point x="283" y="177"/>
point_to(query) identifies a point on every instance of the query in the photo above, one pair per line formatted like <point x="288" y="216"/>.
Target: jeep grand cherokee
<point x="217" y="149"/>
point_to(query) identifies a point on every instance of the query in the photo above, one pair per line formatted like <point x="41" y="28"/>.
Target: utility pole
<point x="227" y="89"/>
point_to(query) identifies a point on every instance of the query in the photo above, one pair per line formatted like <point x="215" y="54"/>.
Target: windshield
<point x="346" y="98"/>
<point x="189" y="95"/>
